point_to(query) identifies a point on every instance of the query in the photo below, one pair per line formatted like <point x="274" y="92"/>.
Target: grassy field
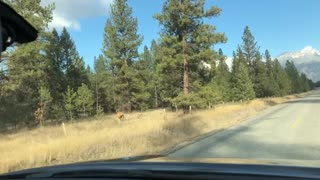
<point x="104" y="138"/>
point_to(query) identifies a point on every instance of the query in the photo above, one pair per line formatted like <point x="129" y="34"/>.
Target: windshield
<point x="186" y="79"/>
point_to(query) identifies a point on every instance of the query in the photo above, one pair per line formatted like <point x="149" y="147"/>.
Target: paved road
<point x="286" y="131"/>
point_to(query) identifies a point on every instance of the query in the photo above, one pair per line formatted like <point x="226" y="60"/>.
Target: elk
<point x="120" y="115"/>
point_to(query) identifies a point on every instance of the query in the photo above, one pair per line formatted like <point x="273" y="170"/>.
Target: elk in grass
<point x="120" y="116"/>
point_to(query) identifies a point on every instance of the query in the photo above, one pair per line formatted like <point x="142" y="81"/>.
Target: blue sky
<point x="278" y="25"/>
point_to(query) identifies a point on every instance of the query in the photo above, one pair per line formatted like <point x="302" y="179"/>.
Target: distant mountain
<point x="307" y="61"/>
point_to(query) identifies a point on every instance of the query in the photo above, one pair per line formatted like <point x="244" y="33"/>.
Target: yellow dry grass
<point x="104" y="138"/>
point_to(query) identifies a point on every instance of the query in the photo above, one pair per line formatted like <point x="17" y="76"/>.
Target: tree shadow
<point x="314" y="96"/>
<point x="225" y="145"/>
<point x="188" y="127"/>
<point x="270" y="102"/>
<point x="304" y="101"/>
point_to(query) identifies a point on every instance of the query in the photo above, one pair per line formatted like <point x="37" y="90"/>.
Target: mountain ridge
<point x="306" y="60"/>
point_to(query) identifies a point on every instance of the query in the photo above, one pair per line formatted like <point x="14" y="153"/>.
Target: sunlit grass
<point x="104" y="138"/>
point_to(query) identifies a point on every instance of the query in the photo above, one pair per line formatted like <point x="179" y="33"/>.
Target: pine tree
<point x="260" y="80"/>
<point x="77" y="74"/>
<point x="250" y="50"/>
<point x="88" y="76"/>
<point x="273" y="87"/>
<point x="185" y="41"/>
<point x="121" y="42"/>
<point x="304" y="83"/>
<point x="311" y="84"/>
<point x="235" y="62"/>
<point x="54" y="70"/>
<point x="241" y="85"/>
<point x="294" y="77"/>
<point x="101" y="84"/>
<point x="155" y="58"/>
<point x="84" y="100"/>
<point x="282" y="79"/>
<point x="155" y="53"/>
<point x="64" y="68"/>
<point x="211" y="95"/>
<point x="147" y="58"/>
<point x="69" y="102"/>
<point x="249" y="46"/>
<point x="143" y="85"/>
<point x="73" y="64"/>
<point x="43" y="106"/>
<point x="222" y="77"/>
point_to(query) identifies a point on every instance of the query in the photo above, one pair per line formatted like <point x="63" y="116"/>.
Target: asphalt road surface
<point x="287" y="131"/>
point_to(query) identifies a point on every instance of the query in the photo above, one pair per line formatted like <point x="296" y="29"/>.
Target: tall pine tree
<point x="100" y="83"/>
<point x="260" y="79"/>
<point x="241" y="85"/>
<point x="250" y="50"/>
<point x="143" y="81"/>
<point x="84" y="101"/>
<point x="304" y="83"/>
<point x="272" y="86"/>
<point x="222" y="77"/>
<point x="56" y="78"/>
<point x="73" y="65"/>
<point x="121" y="42"/>
<point x="282" y="79"/>
<point x="294" y="76"/>
<point x="155" y="57"/>
<point x="185" y="42"/>
<point x="69" y="98"/>
<point x="65" y="68"/>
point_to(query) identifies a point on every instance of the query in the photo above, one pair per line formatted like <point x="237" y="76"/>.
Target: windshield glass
<point x="222" y="81"/>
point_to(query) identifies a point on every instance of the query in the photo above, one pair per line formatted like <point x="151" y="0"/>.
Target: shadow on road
<point x="314" y="95"/>
<point x="245" y="142"/>
<point x="305" y="101"/>
<point x="228" y="145"/>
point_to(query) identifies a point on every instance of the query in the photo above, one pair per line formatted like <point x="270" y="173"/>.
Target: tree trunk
<point x="185" y="68"/>
<point x="113" y="91"/>
<point x="129" y="106"/>
<point x="156" y="96"/>
<point x="97" y="99"/>
<point x="185" y="61"/>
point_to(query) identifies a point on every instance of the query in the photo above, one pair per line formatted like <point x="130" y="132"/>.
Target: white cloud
<point x="309" y="50"/>
<point x="69" y="12"/>
<point x="307" y="54"/>
<point x="59" y="22"/>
